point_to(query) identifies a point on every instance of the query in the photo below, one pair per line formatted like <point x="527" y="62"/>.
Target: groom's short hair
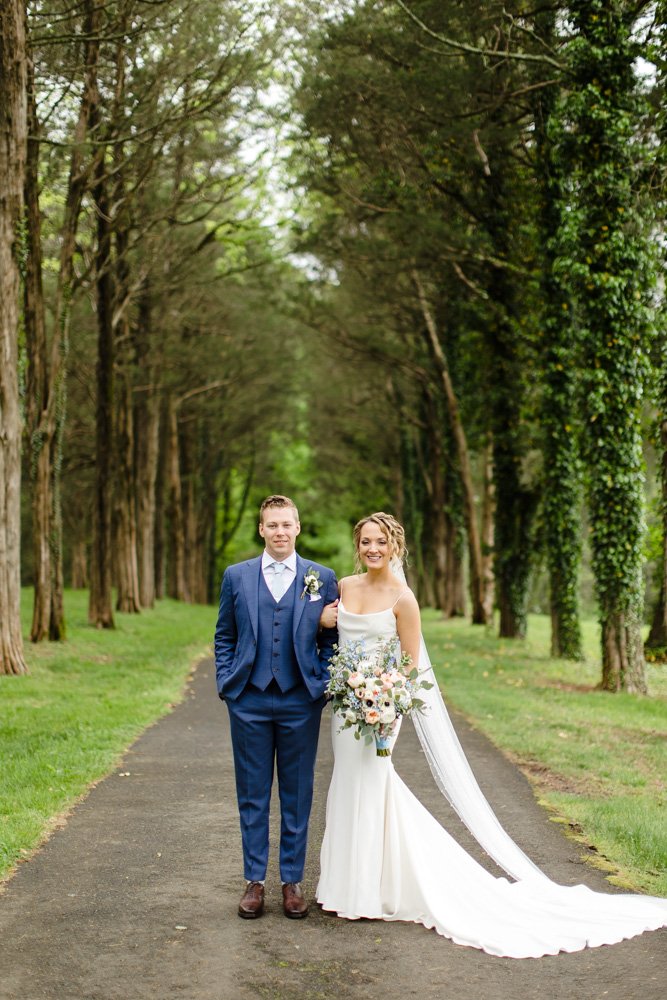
<point x="277" y="500"/>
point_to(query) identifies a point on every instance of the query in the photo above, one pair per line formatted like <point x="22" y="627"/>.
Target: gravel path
<point x="135" y="898"/>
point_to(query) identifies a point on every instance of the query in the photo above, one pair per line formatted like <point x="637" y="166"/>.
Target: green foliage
<point x="398" y="181"/>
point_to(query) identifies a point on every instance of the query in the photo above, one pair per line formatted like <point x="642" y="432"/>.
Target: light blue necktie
<point x="278" y="582"/>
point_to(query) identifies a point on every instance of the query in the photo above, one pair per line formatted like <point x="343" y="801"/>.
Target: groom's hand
<point x="329" y="616"/>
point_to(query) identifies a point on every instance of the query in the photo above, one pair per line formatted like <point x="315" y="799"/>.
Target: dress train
<point x="384" y="856"/>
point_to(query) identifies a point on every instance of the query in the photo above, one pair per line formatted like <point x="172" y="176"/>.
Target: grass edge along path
<point x="598" y="761"/>
<point x="66" y="725"/>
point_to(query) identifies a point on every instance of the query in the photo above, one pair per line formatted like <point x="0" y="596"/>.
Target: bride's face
<point x="374" y="547"/>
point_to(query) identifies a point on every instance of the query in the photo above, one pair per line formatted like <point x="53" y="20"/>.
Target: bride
<point x="385" y="857"/>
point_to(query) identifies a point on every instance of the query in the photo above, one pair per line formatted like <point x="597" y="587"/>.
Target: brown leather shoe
<point x="252" y="901"/>
<point x="294" y="902"/>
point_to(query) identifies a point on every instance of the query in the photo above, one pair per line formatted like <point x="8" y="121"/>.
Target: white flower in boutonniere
<point x="312" y="584"/>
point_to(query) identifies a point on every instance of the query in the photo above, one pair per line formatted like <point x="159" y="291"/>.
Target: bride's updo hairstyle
<point x="390" y="528"/>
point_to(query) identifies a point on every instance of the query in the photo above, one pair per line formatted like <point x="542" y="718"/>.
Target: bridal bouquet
<point x="371" y="690"/>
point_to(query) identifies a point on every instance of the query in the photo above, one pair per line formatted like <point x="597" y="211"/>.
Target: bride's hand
<point x="329" y="615"/>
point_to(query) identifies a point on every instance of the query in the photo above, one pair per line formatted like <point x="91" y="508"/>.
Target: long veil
<point x="455" y="779"/>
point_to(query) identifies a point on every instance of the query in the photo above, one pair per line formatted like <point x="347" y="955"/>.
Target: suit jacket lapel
<point x="250" y="577"/>
<point x="299" y="604"/>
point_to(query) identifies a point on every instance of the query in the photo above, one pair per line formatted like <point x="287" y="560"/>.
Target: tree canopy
<point x="385" y="254"/>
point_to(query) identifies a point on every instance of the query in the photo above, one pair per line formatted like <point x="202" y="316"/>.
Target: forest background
<point x="374" y="255"/>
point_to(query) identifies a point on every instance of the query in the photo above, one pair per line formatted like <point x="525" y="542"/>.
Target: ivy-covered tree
<point x="607" y="250"/>
<point x="656" y="642"/>
<point x="562" y="477"/>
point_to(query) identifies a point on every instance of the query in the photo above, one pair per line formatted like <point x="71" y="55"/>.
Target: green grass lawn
<point x="599" y="760"/>
<point x="66" y="724"/>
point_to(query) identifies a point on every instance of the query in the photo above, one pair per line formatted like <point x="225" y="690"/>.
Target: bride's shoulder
<point x="406" y="601"/>
<point x="348" y="582"/>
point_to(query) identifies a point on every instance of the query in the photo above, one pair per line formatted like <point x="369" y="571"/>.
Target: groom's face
<point x="279" y="528"/>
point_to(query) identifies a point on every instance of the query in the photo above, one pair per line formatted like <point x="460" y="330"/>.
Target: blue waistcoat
<point x="275" y="658"/>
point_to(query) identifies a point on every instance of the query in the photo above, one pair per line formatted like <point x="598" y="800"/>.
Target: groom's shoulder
<point x="234" y="569"/>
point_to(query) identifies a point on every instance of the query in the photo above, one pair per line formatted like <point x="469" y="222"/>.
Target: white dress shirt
<point x="289" y="573"/>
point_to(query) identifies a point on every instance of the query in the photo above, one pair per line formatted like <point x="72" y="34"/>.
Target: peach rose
<point x="356" y="679"/>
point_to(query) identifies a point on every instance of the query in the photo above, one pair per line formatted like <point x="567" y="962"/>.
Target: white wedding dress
<point x="385" y="857"/>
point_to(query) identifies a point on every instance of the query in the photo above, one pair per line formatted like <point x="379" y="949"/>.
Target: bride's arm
<point x="408" y="626"/>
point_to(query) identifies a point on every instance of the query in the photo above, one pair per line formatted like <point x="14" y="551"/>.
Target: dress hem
<point x="429" y="924"/>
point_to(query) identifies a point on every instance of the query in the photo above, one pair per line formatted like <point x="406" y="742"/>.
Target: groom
<point x="272" y="662"/>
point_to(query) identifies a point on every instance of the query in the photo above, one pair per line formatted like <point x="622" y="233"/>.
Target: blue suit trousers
<point x="271" y="729"/>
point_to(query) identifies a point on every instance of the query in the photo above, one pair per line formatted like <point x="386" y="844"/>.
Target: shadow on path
<point x="135" y="899"/>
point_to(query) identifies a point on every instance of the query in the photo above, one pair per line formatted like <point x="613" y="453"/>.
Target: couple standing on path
<point x="383" y="855"/>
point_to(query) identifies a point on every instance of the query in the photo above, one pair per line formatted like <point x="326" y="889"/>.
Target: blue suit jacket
<point x="237" y="628"/>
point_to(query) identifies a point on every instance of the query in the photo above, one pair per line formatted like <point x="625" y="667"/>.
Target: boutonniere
<point x="312" y="584"/>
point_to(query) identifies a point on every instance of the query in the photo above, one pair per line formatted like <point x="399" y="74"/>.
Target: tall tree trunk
<point x="162" y="501"/>
<point x="188" y="444"/>
<point x="147" y="437"/>
<point x="656" y="641"/>
<point x="37" y="382"/>
<point x="455" y="543"/>
<point x="127" y="566"/>
<point x="487" y="531"/>
<point x="126" y="526"/>
<point x="455" y="604"/>
<point x="100" y="611"/>
<point x="125" y="549"/>
<point x="176" y="565"/>
<point x="436" y="517"/>
<point x="147" y="434"/>
<point x="13" y="138"/>
<point x="440" y="546"/>
<point x="206" y="515"/>
<point x="210" y="528"/>
<point x="462" y="455"/>
<point x="516" y="501"/>
<point x="562" y="490"/>
<point x="79" y="565"/>
<point x="417" y="510"/>
<point x="50" y="368"/>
